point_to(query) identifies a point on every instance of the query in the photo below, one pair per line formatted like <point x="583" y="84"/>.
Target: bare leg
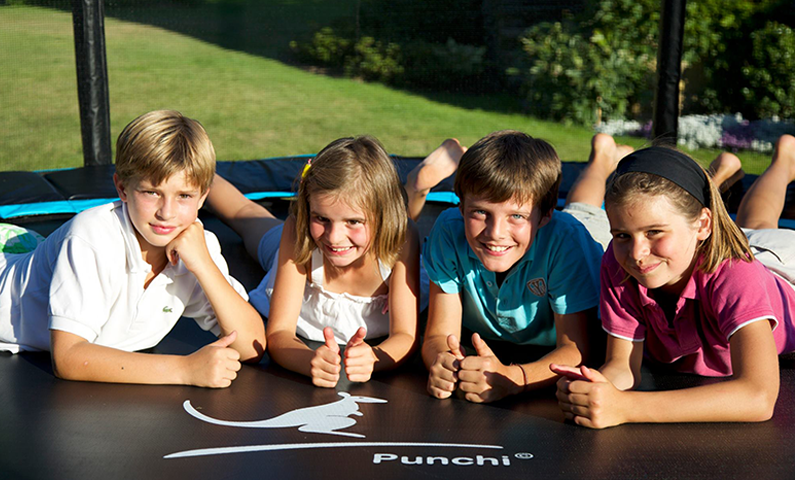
<point x="726" y="170"/>
<point x="762" y="204"/>
<point x="440" y="164"/>
<point x="589" y="187"/>
<point x="248" y="219"/>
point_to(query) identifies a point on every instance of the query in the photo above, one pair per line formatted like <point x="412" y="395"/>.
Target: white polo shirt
<point x="87" y="278"/>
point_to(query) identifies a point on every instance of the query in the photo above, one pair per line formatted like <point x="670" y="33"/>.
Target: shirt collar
<point x="690" y="292"/>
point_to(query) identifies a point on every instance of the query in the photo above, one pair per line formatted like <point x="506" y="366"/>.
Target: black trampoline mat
<point x="60" y="429"/>
<point x="53" y="428"/>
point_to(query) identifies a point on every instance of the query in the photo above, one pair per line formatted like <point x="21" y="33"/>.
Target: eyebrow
<point x="358" y="219"/>
<point x="645" y="227"/>
<point x="478" y="206"/>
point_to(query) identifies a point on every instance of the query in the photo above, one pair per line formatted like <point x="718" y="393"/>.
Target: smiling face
<point x="500" y="233"/>
<point x="340" y="231"/>
<point x="655" y="243"/>
<point x="160" y="213"/>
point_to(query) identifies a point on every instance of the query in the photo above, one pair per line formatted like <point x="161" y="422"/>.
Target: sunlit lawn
<point x="252" y="106"/>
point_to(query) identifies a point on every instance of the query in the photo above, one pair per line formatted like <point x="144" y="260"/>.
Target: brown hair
<point x="159" y="144"/>
<point x="726" y="241"/>
<point x="508" y="165"/>
<point x="360" y="172"/>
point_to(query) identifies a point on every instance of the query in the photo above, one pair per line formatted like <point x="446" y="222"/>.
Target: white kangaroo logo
<point x="326" y="418"/>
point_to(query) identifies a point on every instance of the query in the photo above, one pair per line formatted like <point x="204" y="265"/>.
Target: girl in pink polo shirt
<point x="682" y="283"/>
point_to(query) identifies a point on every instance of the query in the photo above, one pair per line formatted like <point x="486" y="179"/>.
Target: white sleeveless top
<point x="343" y="312"/>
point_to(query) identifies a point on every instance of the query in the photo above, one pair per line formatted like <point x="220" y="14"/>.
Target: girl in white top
<point x="346" y="267"/>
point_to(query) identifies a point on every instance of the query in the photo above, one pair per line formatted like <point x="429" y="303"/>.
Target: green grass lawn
<point x="252" y="105"/>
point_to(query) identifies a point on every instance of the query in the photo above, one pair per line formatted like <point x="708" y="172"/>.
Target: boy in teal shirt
<point x="508" y="267"/>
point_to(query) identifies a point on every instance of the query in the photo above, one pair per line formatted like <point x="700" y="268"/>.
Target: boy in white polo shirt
<point x="509" y="268"/>
<point x="116" y="278"/>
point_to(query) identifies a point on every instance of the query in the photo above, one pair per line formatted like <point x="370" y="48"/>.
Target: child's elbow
<point x="762" y="405"/>
<point x="256" y="351"/>
<point x="63" y="369"/>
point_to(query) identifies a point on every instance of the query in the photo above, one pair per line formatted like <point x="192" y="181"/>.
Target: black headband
<point x="670" y="164"/>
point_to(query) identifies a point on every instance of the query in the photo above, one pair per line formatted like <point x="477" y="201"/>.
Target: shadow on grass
<point x="266" y="28"/>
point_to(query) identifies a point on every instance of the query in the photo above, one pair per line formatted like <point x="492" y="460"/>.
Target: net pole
<point x="92" y="80"/>
<point x="669" y="70"/>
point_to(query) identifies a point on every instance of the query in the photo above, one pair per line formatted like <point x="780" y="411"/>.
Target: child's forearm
<point x="621" y="377"/>
<point x="729" y="401"/>
<point x="88" y="362"/>
<point x="233" y="313"/>
<point x="538" y="373"/>
<point x="432" y="346"/>
<point x="290" y="352"/>
<point x="394" y="351"/>
<point x="74" y="358"/>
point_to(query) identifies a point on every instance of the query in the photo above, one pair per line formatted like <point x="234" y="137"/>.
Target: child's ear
<point x="704" y="224"/>
<point x="545" y="218"/>
<point x="120" y="188"/>
<point x="203" y="198"/>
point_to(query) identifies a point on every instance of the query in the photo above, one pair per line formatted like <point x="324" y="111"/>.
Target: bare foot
<point x="726" y="170"/>
<point x="589" y="188"/>
<point x="438" y="165"/>
<point x="764" y="201"/>
<point x="785" y="154"/>
<point x="622" y="151"/>
<point x="605" y="154"/>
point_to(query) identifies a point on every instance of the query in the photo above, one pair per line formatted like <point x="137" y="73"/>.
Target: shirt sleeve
<point x="199" y="307"/>
<point x="440" y="255"/>
<point x="619" y="301"/>
<point x="741" y="293"/>
<point x="82" y="290"/>
<point x="573" y="267"/>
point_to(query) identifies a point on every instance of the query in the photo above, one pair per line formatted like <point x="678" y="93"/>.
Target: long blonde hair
<point x="360" y="172"/>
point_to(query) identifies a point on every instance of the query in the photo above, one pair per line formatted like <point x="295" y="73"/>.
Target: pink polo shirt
<point x="711" y="308"/>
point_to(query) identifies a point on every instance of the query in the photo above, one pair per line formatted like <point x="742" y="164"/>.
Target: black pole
<point x="669" y="70"/>
<point x="88" y="17"/>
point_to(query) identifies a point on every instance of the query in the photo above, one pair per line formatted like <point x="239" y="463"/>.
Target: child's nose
<point x="496" y="228"/>
<point x="167" y="208"/>
<point x="334" y="233"/>
<point x="640" y="249"/>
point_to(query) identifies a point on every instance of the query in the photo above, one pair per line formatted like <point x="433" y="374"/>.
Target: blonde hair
<point x="359" y="172"/>
<point x="727" y="241"/>
<point x="159" y="144"/>
<point x="510" y="165"/>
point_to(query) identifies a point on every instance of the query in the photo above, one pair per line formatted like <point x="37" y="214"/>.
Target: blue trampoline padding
<point x="262" y="195"/>
<point x="443" y="197"/>
<point x="69" y="191"/>
<point x="26" y="187"/>
<point x="51" y="208"/>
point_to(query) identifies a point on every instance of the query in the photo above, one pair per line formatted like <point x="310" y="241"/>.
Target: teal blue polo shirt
<point x="559" y="273"/>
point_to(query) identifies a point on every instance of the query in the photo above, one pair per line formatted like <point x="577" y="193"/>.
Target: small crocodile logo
<point x="167" y="309"/>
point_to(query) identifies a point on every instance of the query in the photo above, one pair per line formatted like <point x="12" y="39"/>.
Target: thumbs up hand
<point x="214" y="365"/>
<point x="484" y="378"/>
<point x="359" y="357"/>
<point x="325" y="365"/>
<point x="443" y="374"/>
